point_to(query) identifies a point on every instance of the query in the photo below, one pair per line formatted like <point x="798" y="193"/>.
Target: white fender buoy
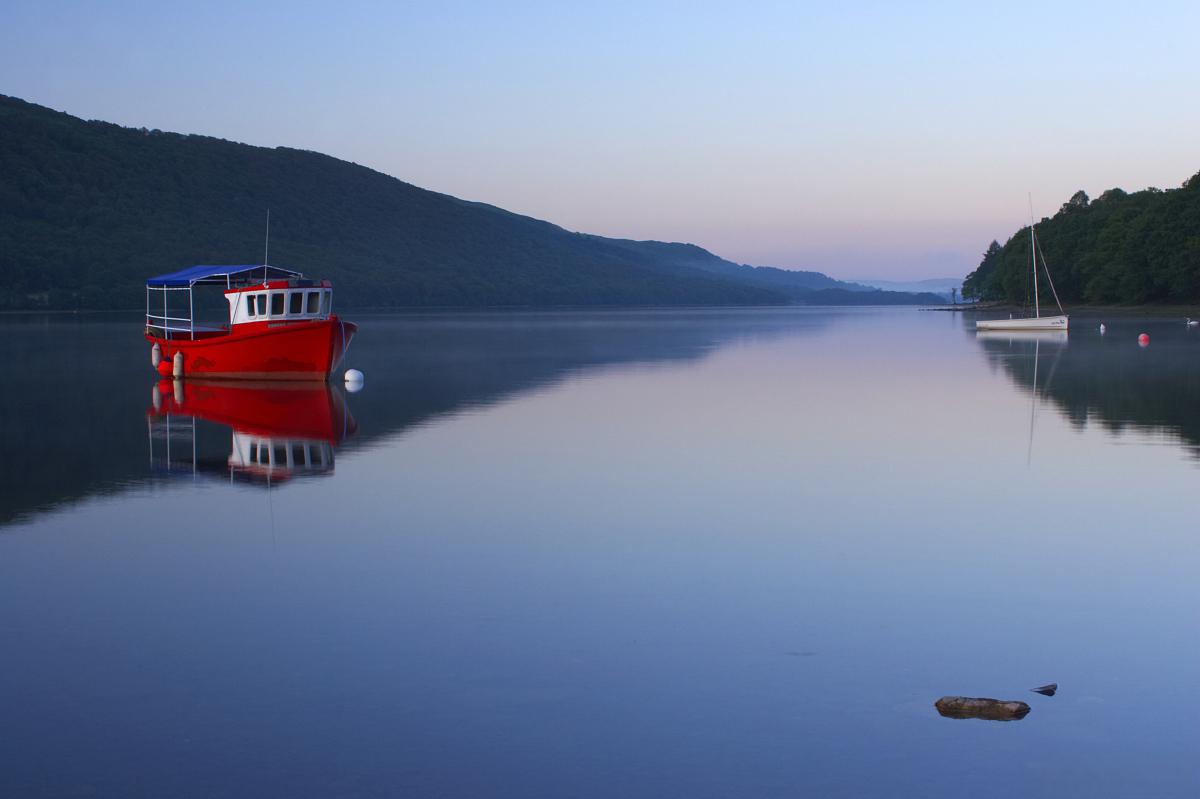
<point x="177" y="366"/>
<point x="354" y="381"/>
<point x="156" y="398"/>
<point x="178" y="392"/>
<point x="155" y="355"/>
<point x="1102" y="328"/>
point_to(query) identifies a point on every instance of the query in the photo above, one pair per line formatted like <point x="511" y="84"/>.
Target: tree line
<point x="1120" y="248"/>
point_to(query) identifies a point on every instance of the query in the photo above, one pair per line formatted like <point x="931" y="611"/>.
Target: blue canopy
<point x="216" y="274"/>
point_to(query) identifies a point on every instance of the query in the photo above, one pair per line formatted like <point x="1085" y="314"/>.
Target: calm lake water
<point x="638" y="554"/>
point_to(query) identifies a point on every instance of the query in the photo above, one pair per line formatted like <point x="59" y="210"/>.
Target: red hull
<point x="300" y="350"/>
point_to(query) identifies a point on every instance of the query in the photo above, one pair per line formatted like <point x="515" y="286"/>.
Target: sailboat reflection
<point x="1023" y="336"/>
<point x="1018" y="342"/>
<point x="255" y="432"/>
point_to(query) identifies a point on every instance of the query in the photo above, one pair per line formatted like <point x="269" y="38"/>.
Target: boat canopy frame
<point x="188" y="279"/>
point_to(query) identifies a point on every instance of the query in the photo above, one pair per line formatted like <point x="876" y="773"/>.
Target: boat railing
<point x="163" y="321"/>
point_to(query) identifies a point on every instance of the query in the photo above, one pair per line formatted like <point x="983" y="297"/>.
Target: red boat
<point x="278" y="325"/>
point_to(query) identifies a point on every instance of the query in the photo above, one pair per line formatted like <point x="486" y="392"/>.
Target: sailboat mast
<point x="1037" y="311"/>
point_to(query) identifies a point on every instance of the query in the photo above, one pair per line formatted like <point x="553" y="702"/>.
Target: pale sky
<point x="875" y="140"/>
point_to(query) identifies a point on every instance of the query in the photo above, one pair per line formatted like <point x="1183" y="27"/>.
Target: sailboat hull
<point x="1037" y="323"/>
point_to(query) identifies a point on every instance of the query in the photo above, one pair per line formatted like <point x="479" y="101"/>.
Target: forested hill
<point x="88" y="210"/>
<point x="1119" y="248"/>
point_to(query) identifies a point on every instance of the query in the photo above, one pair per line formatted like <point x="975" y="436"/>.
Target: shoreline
<point x="998" y="307"/>
<point x="1086" y="310"/>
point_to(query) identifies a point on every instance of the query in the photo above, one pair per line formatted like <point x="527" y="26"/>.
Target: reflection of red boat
<point x="279" y="326"/>
<point x="278" y="430"/>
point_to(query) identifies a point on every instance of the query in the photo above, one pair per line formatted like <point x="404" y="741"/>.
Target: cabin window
<point x="296" y="302"/>
<point x="325" y="298"/>
<point x="280" y="453"/>
<point x="253" y="446"/>
<point x="314" y="302"/>
<point x="249" y="304"/>
<point x="277" y="303"/>
<point x="298" y="454"/>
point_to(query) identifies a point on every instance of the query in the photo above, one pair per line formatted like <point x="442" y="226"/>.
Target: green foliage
<point x="979" y="284"/>
<point x="1120" y="248"/>
<point x="1078" y="200"/>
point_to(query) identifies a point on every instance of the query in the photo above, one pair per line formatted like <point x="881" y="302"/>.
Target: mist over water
<point x="626" y="553"/>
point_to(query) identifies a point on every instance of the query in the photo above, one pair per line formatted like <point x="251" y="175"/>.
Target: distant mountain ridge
<point x="88" y="210"/>
<point x="937" y="285"/>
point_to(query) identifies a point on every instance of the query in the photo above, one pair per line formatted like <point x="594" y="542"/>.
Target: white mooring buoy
<point x="1103" y="328"/>
<point x="354" y="380"/>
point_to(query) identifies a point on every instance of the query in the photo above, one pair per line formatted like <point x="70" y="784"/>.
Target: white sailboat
<point x="1037" y="321"/>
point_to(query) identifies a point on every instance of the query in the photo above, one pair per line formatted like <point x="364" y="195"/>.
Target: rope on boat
<point x="345" y="351"/>
<point x="345" y="343"/>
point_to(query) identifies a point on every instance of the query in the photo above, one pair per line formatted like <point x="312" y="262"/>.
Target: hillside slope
<point x="89" y="209"/>
<point x="687" y="258"/>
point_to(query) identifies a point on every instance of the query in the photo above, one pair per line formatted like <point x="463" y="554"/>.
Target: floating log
<point x="966" y="707"/>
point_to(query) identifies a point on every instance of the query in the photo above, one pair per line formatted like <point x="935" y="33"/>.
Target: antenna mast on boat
<point x="267" y="248"/>
<point x="1037" y="311"/>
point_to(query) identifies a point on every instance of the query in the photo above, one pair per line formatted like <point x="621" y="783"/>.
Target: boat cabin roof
<point x="301" y="283"/>
<point x="219" y="275"/>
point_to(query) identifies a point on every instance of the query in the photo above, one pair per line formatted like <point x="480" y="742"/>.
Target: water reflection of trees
<point x="75" y="426"/>
<point x="1110" y="381"/>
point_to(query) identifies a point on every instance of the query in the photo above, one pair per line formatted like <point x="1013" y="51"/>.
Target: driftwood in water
<point x="966" y="707"/>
